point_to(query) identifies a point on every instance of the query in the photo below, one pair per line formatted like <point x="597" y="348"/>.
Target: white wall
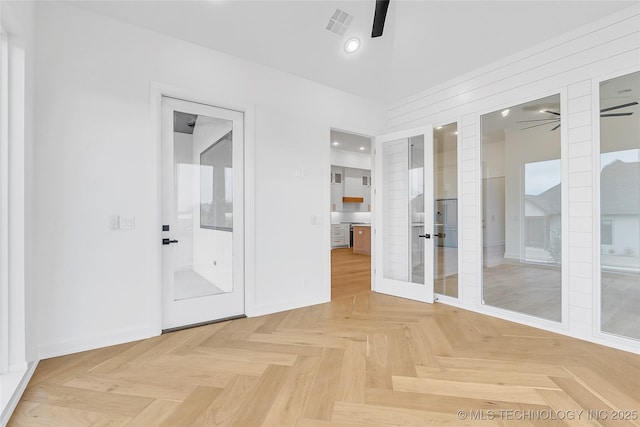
<point x="493" y="185"/>
<point x="95" y="287"/>
<point x="571" y="65"/>
<point x="351" y="159"/>
<point x="521" y="147"/>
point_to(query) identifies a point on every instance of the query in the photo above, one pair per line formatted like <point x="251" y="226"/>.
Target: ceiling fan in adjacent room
<point x="379" y="17"/>
<point x="556" y="116"/>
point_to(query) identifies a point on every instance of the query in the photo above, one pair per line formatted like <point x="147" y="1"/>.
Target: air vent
<point x="339" y="22"/>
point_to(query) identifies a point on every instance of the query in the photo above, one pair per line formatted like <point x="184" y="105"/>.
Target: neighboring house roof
<point x="549" y="201"/>
<point x="620" y="188"/>
<point x="616" y="197"/>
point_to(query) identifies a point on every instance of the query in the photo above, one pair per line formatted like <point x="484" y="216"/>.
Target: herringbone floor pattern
<point x="369" y="359"/>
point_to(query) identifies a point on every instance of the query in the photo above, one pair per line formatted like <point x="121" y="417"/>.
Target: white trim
<point x="4" y="204"/>
<point x="91" y="342"/>
<point x="607" y="338"/>
<point x="564" y="208"/>
<point x="536" y="322"/>
<point x="459" y="140"/>
<point x="27" y="373"/>
<point x="479" y="302"/>
<point x="288" y="305"/>
<point x="156" y="91"/>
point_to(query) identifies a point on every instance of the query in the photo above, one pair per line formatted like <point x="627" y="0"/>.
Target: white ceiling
<point x="425" y="43"/>
<point x="350" y="142"/>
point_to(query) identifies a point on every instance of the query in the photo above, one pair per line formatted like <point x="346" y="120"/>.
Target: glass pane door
<point x="203" y="206"/>
<point x="202" y="234"/>
<point x="403" y="230"/>
<point x="445" y="227"/>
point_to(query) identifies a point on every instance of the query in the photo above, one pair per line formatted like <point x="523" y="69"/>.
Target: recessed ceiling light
<point x="439" y="127"/>
<point x="352" y="45"/>
<point x="455" y="133"/>
<point x="336" y="143"/>
<point x="505" y="113"/>
<point x="362" y="148"/>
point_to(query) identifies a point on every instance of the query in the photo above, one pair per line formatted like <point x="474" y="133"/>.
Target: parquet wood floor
<point x="361" y="360"/>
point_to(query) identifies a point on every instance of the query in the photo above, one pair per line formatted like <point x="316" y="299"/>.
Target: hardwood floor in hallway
<point x="350" y="273"/>
<point x="366" y="360"/>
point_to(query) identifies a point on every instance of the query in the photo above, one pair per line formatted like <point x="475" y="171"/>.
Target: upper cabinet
<point x="353" y="189"/>
<point x="337" y="180"/>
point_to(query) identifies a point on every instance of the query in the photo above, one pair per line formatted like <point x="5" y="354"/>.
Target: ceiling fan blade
<point x="604" y="110"/>
<point x="555" y="127"/>
<point x="615" y="114"/>
<point x="555" y="119"/>
<point x="551" y="112"/>
<point x="379" y="17"/>
<point x="535" y="126"/>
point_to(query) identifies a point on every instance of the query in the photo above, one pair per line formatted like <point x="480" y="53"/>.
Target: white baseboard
<point x="121" y="336"/>
<point x="288" y="305"/>
<point x="20" y="387"/>
<point x="618" y="343"/>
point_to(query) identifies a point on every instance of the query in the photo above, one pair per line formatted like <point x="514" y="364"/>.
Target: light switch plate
<point x="127" y="222"/>
<point x="114" y="222"/>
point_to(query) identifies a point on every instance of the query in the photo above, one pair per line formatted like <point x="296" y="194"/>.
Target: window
<point x="522" y="212"/>
<point x="606" y="232"/>
<point x="620" y="206"/>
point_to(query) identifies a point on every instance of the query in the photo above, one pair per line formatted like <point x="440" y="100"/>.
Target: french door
<point x="403" y="214"/>
<point x="202" y="213"/>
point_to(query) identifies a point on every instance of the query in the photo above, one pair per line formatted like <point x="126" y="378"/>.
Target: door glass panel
<point x="521" y="199"/>
<point x="445" y="181"/>
<point x="403" y="209"/>
<point x="203" y="211"/>
<point x="416" y="208"/>
<point x="620" y="205"/>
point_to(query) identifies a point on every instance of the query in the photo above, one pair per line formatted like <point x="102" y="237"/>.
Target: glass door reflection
<point x="445" y="181"/>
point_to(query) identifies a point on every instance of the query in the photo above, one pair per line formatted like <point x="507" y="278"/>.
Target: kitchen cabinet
<point x="339" y="235"/>
<point x="366" y="190"/>
<point x="337" y="179"/>
<point x="357" y="185"/>
<point x="362" y="239"/>
<point x="353" y="182"/>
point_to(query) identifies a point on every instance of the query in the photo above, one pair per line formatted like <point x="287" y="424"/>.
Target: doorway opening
<point x="351" y="209"/>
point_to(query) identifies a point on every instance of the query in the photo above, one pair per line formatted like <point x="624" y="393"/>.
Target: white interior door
<point x="202" y="213"/>
<point x="403" y="214"/>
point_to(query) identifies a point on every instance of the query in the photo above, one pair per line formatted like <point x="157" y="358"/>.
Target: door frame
<point x="157" y="91"/>
<point x="375" y="220"/>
